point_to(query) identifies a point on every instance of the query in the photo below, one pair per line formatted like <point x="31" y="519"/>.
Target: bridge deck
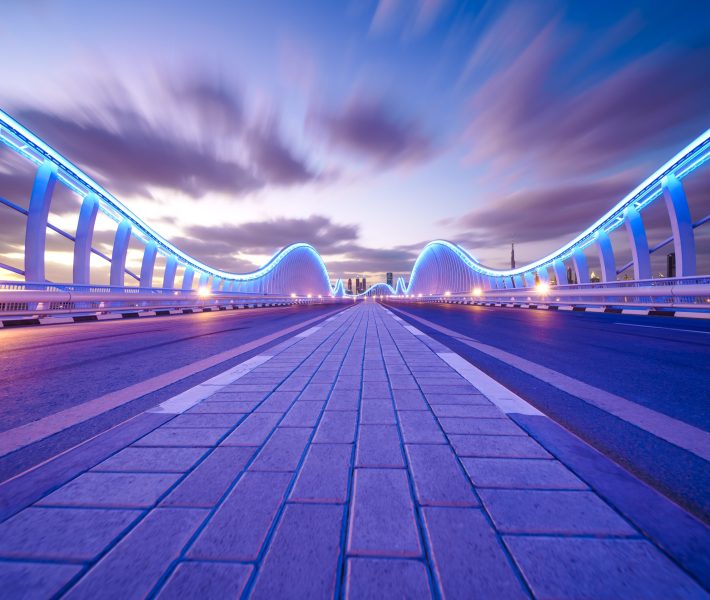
<point x="353" y="462"/>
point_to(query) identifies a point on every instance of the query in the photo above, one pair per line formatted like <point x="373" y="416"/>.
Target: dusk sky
<point x="365" y="128"/>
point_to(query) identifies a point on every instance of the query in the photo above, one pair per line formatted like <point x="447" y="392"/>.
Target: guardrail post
<point x="639" y="244"/>
<point x="681" y="225"/>
<point x="581" y="267"/>
<point x="36" y="229"/>
<point x="118" y="255"/>
<point x="148" y="265"/>
<point x="606" y="256"/>
<point x="82" y="241"/>
<point x="170" y="269"/>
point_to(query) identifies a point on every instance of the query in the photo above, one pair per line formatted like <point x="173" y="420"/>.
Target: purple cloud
<point x="372" y="130"/>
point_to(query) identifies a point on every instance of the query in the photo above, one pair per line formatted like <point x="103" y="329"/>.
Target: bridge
<point x="185" y="431"/>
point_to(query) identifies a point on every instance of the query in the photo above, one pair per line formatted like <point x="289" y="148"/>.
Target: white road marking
<point x="413" y="330"/>
<point x="659" y="327"/>
<point x="308" y="332"/>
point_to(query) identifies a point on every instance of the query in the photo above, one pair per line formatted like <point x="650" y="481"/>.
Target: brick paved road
<point x="355" y="462"/>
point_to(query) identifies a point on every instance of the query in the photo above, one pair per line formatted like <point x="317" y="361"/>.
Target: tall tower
<point x="350" y="285"/>
<point x="357" y="285"/>
<point x="512" y="255"/>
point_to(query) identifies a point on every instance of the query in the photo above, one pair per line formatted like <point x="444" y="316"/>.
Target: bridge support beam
<point x="148" y="265"/>
<point x="529" y="279"/>
<point x="170" y="269"/>
<point x="639" y="244"/>
<point x="581" y="268"/>
<point x="188" y="278"/>
<point x="82" y="242"/>
<point x="543" y="274"/>
<point x="606" y="256"/>
<point x="560" y="272"/>
<point x="518" y="281"/>
<point x="36" y="230"/>
<point x="204" y="281"/>
<point x="216" y="283"/>
<point x="681" y="225"/>
<point x="118" y="255"/>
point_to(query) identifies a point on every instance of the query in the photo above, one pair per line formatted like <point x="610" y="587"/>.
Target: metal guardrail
<point x="20" y="300"/>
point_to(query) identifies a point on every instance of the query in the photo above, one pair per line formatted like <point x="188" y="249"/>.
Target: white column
<point x="681" y="225"/>
<point x="529" y="279"/>
<point x="170" y="269"/>
<point x="36" y="230"/>
<point x="639" y="244"/>
<point x="148" y="265"/>
<point x="560" y="273"/>
<point x="82" y="241"/>
<point x="120" y="249"/>
<point x="606" y="256"/>
<point x="543" y="274"/>
<point x="187" y="278"/>
<point x="580" y="265"/>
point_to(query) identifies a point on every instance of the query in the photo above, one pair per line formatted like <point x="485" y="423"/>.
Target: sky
<point x="364" y="127"/>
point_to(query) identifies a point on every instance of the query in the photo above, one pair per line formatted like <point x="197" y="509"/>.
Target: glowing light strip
<point x="28" y="145"/>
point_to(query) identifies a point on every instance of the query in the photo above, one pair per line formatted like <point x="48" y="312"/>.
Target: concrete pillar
<point x="529" y="279"/>
<point x="188" y="278"/>
<point x="36" y="230"/>
<point x="681" y="225"/>
<point x="83" y="239"/>
<point x="581" y="267"/>
<point x="606" y="256"/>
<point x="543" y="274"/>
<point x="560" y="273"/>
<point x="216" y="282"/>
<point x="518" y="281"/>
<point x="639" y="244"/>
<point x="169" y="275"/>
<point x="148" y="265"/>
<point x="118" y="256"/>
<point x="204" y="281"/>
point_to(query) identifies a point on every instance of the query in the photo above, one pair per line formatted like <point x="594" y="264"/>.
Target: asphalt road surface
<point x="660" y="363"/>
<point x="46" y="369"/>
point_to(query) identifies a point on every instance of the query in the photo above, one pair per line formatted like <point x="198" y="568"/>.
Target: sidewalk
<point x="352" y="461"/>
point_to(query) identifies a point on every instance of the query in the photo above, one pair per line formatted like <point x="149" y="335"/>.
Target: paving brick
<point x="153" y="544"/>
<point x="520" y="473"/>
<point x="379" y="446"/>
<point x="324" y="475"/>
<point x="497" y="446"/>
<point x="375" y="389"/>
<point x="295" y="383"/>
<point x="382" y="519"/>
<point x="238" y="394"/>
<point x="409" y="400"/>
<point x="69" y="534"/>
<point x="598" y="568"/>
<point x="480" y="426"/>
<point x="419" y="427"/>
<point x="343" y="400"/>
<point x="192" y="437"/>
<point x="435" y="388"/>
<point x="552" y="512"/>
<point x="303" y="414"/>
<point x="438" y="478"/>
<point x="253" y="430"/>
<point x="278" y="402"/>
<point x="403" y="382"/>
<point x="28" y="580"/>
<point x="155" y="460"/>
<point x="200" y="580"/>
<point x="283" y="451"/>
<point x="243" y="389"/>
<point x="239" y="408"/>
<point x="294" y="569"/>
<point x="209" y="420"/>
<point x="471" y="399"/>
<point x="467" y="558"/>
<point x="468" y="410"/>
<point x="239" y="526"/>
<point x="347" y="382"/>
<point x="120" y="490"/>
<point x="377" y="412"/>
<point x="316" y="391"/>
<point x="336" y="427"/>
<point x="210" y="480"/>
<point x="375" y="578"/>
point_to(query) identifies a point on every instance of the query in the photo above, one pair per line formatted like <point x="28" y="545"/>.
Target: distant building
<point x="390" y="279"/>
<point x="571" y="275"/>
<point x="670" y="264"/>
<point x="357" y="285"/>
<point x="512" y="255"/>
<point x="350" y="285"/>
<point x="594" y="278"/>
<point x="364" y="284"/>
